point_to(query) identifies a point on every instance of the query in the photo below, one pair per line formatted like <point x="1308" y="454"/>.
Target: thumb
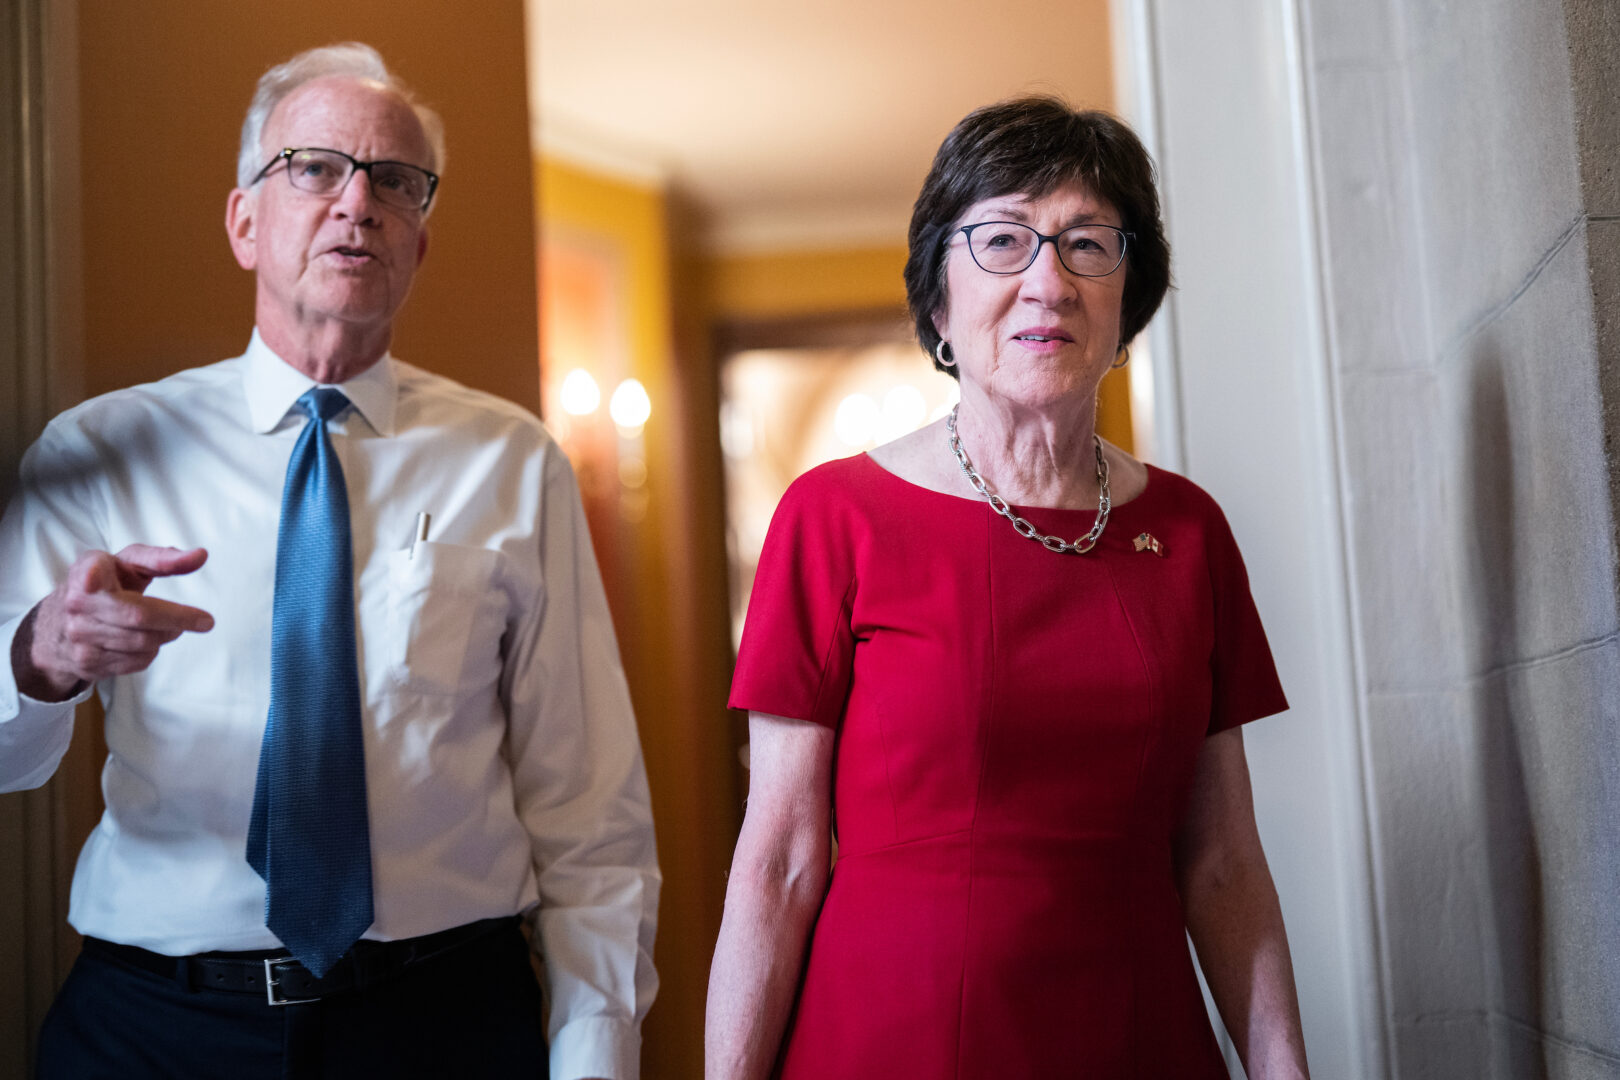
<point x="138" y="564"/>
<point x="96" y="572"/>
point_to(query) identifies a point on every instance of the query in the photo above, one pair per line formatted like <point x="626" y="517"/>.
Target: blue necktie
<point x="308" y="837"/>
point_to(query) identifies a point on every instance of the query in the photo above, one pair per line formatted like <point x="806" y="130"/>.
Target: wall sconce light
<point x="856" y="421"/>
<point x="579" y="394"/>
<point x="630" y="407"/>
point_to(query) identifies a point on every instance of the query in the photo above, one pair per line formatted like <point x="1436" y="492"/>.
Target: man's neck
<point x="331" y="352"/>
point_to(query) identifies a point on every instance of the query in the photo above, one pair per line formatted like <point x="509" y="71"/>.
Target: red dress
<point x="1017" y="736"/>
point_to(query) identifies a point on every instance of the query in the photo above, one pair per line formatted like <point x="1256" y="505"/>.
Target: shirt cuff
<point x="595" y="1046"/>
<point x="33" y="734"/>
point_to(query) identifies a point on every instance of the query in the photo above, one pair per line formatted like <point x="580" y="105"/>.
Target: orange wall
<point x="662" y="550"/>
<point x="1114" y="411"/>
<point x="163" y="86"/>
<point x="784" y="284"/>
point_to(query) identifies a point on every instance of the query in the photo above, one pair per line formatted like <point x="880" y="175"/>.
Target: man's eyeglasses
<point x="325" y="172"/>
<point x="1006" y="247"/>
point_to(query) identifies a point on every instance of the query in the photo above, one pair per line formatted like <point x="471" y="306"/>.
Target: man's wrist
<point x="32" y="680"/>
<point x="596" y="1046"/>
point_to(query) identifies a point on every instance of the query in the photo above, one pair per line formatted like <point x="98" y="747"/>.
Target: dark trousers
<point x="472" y="1012"/>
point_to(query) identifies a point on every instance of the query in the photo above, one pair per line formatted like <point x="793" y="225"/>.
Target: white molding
<point x="1372" y="1049"/>
<point x="1137" y="95"/>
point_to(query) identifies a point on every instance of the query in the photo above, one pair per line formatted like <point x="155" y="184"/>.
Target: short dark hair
<point x="1033" y="146"/>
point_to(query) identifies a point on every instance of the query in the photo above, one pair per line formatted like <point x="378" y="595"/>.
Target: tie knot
<point x="323" y="402"/>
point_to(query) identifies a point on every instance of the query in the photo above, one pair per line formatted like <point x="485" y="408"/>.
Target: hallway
<point x="1391" y="353"/>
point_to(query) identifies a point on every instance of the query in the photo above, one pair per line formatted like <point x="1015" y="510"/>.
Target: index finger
<point x="132" y="611"/>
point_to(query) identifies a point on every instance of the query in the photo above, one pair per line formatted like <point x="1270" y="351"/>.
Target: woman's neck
<point x="1029" y="456"/>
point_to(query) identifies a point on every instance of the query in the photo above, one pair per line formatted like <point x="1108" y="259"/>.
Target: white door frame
<point x="1246" y="404"/>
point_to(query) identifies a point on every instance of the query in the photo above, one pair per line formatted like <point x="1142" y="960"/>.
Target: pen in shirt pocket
<point x="419" y="536"/>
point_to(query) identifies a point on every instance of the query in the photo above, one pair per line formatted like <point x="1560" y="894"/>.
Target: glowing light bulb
<point x="580" y="395"/>
<point x="856" y="421"/>
<point x="630" y="406"/>
<point x="904" y="411"/>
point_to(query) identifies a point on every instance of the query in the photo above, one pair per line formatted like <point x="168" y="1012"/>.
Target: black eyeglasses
<point x="325" y="172"/>
<point x="1006" y="247"/>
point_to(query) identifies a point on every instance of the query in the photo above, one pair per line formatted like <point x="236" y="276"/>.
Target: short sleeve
<point x="1243" y="674"/>
<point x="798" y="646"/>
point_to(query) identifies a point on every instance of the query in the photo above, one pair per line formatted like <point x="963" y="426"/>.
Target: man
<point x="360" y="677"/>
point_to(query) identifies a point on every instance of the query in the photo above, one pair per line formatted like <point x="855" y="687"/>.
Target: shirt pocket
<point x="446" y="615"/>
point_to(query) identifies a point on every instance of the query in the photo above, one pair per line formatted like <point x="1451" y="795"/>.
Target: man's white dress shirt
<point x="502" y="761"/>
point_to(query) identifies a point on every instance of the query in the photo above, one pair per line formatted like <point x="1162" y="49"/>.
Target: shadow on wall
<point x="1514" y="938"/>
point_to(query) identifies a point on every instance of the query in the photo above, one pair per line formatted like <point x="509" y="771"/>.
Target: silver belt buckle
<point x="272" y="985"/>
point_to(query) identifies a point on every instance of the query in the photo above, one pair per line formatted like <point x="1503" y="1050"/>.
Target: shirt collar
<point x="274" y="386"/>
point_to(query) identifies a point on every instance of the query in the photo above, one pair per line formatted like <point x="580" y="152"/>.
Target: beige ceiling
<point x="800" y="124"/>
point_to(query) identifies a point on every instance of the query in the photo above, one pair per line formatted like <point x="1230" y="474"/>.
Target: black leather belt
<point x="283" y="980"/>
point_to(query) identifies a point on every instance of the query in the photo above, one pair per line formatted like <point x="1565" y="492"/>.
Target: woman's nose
<point x="1047" y="278"/>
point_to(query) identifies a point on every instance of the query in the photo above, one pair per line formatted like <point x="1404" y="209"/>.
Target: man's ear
<point x="239" y="210"/>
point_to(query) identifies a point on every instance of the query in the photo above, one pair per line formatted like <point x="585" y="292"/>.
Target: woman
<point x="1025" y="730"/>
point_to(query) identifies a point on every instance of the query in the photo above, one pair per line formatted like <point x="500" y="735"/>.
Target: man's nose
<point x="355" y="199"/>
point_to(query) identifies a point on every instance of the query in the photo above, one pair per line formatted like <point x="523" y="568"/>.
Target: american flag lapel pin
<point x="1148" y="542"/>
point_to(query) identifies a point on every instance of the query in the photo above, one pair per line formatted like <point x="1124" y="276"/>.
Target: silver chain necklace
<point x="1051" y="543"/>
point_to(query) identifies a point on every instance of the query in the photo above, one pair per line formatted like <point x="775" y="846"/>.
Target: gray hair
<point x="350" y="59"/>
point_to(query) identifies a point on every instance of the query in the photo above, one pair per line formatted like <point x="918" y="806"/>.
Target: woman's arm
<point x="778" y="879"/>
<point x="1233" y="915"/>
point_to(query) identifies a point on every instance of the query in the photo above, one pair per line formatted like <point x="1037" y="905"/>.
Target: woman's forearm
<point x="1237" y="927"/>
<point x="778" y="880"/>
<point x="757" y="962"/>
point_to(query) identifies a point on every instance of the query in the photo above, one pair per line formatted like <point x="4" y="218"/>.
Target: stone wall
<point x="1469" y="213"/>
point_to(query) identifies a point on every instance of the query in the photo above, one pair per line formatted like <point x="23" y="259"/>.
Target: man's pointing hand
<point x="99" y="623"/>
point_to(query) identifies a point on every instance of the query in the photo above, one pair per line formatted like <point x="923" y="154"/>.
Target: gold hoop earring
<point x="1124" y="351"/>
<point x="940" y="354"/>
